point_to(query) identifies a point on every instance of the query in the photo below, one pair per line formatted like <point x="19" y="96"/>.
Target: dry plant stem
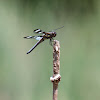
<point x="56" y="68"/>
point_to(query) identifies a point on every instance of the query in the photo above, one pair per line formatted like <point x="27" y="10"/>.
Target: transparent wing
<point x="29" y="37"/>
<point x="36" y="37"/>
<point x="39" y="31"/>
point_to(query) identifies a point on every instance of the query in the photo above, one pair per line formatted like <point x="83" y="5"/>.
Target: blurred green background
<point x="26" y="77"/>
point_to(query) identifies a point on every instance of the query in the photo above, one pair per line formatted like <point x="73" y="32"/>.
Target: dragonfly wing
<point x="39" y="31"/>
<point x="35" y="37"/>
<point x="38" y="37"/>
<point x="29" y="37"/>
<point x="41" y="40"/>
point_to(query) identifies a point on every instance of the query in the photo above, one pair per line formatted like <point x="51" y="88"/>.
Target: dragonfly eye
<point x="54" y="34"/>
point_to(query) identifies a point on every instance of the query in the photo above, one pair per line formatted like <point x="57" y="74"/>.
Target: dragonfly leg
<point x="51" y="41"/>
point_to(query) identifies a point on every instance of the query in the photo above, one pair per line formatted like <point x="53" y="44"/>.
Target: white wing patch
<point x="38" y="38"/>
<point x="38" y="31"/>
<point x="29" y="37"/>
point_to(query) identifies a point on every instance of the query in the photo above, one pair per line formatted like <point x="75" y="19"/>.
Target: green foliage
<point x="26" y="77"/>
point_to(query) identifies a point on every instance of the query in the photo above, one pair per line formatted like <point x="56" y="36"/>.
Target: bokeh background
<point x="26" y="77"/>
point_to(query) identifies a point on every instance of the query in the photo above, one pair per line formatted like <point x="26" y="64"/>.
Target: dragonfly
<point x="45" y="35"/>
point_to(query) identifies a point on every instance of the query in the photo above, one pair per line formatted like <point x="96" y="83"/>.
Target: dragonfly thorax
<point x="54" y="34"/>
<point x="50" y="35"/>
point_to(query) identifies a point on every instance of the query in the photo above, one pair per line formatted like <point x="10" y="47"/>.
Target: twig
<point x="56" y="68"/>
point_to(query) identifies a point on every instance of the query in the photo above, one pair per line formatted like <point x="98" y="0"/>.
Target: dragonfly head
<point x="54" y="34"/>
